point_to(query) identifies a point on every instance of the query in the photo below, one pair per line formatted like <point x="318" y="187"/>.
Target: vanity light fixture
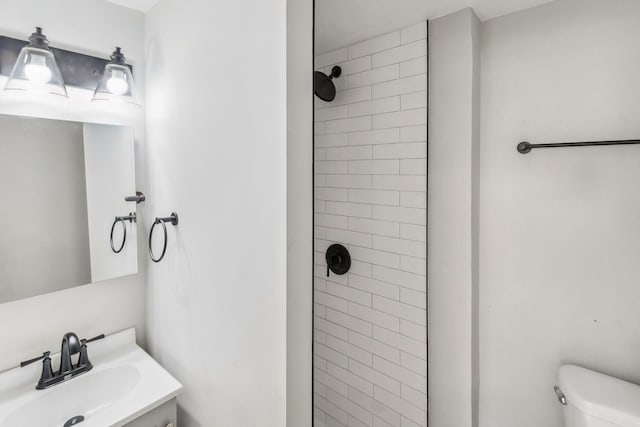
<point x="117" y="82"/>
<point x="36" y="68"/>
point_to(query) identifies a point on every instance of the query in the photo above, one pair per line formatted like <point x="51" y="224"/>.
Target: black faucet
<point x="71" y="345"/>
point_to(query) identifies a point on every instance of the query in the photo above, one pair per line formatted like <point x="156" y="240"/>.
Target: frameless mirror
<point x="62" y="185"/>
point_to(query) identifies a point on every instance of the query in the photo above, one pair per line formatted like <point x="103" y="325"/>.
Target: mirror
<point x="62" y="184"/>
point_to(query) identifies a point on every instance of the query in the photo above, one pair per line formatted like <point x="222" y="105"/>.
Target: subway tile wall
<point x="370" y="195"/>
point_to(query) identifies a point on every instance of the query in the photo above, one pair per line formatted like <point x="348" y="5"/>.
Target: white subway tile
<point x="333" y="194"/>
<point x="332" y="301"/>
<point x="348" y="181"/>
<point x="348" y="294"/>
<point x="399" y="246"/>
<point x="400" y="214"/>
<point x="413" y="100"/>
<point x="319" y="336"/>
<point x="349" y="237"/>
<point x="401" y="183"/>
<point x="377" y="197"/>
<point x="349" y="153"/>
<point x="331" y="355"/>
<point x="376" y="106"/>
<point x="332" y="412"/>
<point x="396" y="119"/>
<point x="413" y="232"/>
<point x="377" y="44"/>
<point x="377" y="378"/>
<point x="407" y="150"/>
<point x="319" y="310"/>
<point x="360" y="268"/>
<point x="355" y="66"/>
<point x="335" y="140"/>
<point x="404" y="311"/>
<point x="330" y="381"/>
<point x="415" y="32"/>
<point x="405" y="279"/>
<point x="331" y="167"/>
<point x="401" y="406"/>
<point x="319" y="363"/>
<point x="352" y="380"/>
<point x="413" y="166"/>
<point x="349" y="125"/>
<point x="380" y="411"/>
<point x="373" y="286"/>
<point x="320" y="388"/>
<point x="350" y="96"/>
<point x="351" y="323"/>
<point x="379" y="167"/>
<point x="319" y="128"/>
<point x="330" y="328"/>
<point x="375" y="257"/>
<point x="413" y="67"/>
<point x="320" y="232"/>
<point x="413" y="330"/>
<point x="413" y="265"/>
<point x="413" y="133"/>
<point x="320" y="270"/>
<point x="382" y="136"/>
<point x="413" y="363"/>
<point x="376" y="317"/>
<point x="331" y="113"/>
<point x="356" y="413"/>
<point x="365" y="225"/>
<point x="330" y="58"/>
<point x="350" y="350"/>
<point x="320" y="154"/>
<point x="319" y="205"/>
<point x="400" y="86"/>
<point x="415" y="397"/>
<point x="333" y="221"/>
<point x="377" y="75"/>
<point x="375" y="347"/>
<point x="349" y="209"/>
<point x="398" y="372"/>
<point x="400" y="53"/>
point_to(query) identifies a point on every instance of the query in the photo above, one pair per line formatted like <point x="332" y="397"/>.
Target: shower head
<point x="323" y="87"/>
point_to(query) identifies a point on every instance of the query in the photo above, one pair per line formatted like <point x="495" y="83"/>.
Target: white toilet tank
<point x="597" y="400"/>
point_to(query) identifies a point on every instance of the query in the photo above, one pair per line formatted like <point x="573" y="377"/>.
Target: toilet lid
<point x="600" y="395"/>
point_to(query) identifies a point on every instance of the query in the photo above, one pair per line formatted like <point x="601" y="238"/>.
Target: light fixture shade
<point x="117" y="82"/>
<point x="36" y="69"/>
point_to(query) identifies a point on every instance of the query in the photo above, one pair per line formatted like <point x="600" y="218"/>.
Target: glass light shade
<point x="36" y="71"/>
<point x="117" y="84"/>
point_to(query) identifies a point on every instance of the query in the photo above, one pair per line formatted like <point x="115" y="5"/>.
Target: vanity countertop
<point x="125" y="383"/>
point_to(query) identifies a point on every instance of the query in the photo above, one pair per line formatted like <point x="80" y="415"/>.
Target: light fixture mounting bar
<point x="79" y="70"/>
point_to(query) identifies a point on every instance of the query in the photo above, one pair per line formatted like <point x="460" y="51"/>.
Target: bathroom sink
<point x="124" y="384"/>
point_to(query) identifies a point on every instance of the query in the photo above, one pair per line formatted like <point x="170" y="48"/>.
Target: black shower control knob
<point x="338" y="259"/>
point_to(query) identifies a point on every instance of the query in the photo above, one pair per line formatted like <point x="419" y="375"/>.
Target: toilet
<point x="592" y="399"/>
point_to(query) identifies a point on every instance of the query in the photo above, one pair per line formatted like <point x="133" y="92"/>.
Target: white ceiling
<point x="141" y="5"/>
<point x="340" y="23"/>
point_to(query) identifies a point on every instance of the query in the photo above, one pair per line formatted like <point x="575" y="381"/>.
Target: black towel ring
<point x="173" y="219"/>
<point x="121" y="219"/>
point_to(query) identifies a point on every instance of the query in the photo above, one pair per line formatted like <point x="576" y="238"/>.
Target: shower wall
<point x="370" y="195"/>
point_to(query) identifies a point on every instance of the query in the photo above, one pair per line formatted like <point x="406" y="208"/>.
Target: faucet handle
<point x="83" y="360"/>
<point x="35" y="359"/>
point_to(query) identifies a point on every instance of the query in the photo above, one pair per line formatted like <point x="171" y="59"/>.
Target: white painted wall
<point x="93" y="27"/>
<point x="559" y="228"/>
<point x="299" y="211"/>
<point x="370" y="188"/>
<point x="452" y="201"/>
<point x="216" y="115"/>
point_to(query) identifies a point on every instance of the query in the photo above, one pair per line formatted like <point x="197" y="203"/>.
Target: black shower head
<point x="323" y="87"/>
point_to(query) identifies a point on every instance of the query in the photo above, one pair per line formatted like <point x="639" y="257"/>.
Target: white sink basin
<point x="124" y="383"/>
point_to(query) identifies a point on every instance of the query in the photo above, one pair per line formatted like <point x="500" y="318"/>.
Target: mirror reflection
<point x="62" y="185"/>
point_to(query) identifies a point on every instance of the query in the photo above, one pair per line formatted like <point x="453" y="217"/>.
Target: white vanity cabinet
<point x="162" y="416"/>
